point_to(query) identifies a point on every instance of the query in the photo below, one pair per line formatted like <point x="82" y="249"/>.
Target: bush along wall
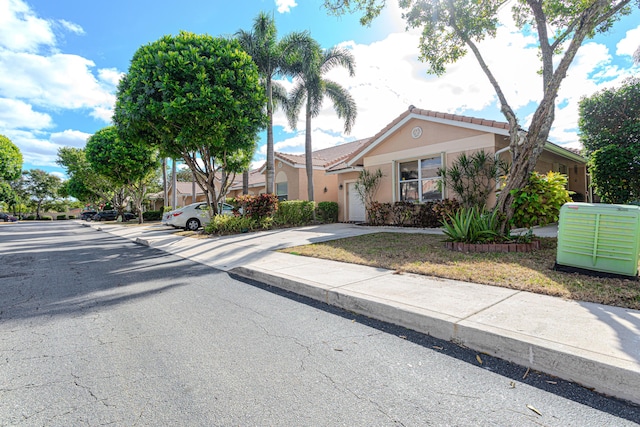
<point x="327" y="212"/>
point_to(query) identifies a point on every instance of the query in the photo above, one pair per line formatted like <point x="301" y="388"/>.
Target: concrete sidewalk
<point x="594" y="345"/>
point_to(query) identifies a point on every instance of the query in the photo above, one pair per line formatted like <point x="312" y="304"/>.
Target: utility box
<point x="599" y="237"/>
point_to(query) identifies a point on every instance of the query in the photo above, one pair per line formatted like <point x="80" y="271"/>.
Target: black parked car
<point x="87" y="215"/>
<point x="105" y="216"/>
<point x="112" y="215"/>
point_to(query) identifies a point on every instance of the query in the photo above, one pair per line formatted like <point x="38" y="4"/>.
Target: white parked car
<point x="193" y="216"/>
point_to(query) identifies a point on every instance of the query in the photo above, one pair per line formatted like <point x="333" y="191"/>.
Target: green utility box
<point x="599" y="237"/>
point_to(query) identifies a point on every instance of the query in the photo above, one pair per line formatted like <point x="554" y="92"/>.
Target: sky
<point x="60" y="62"/>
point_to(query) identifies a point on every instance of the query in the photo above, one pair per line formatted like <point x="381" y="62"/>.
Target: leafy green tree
<point x="271" y="56"/>
<point x="10" y="169"/>
<point x="310" y="87"/>
<point x="615" y="173"/>
<point x="42" y="188"/>
<point x="201" y="99"/>
<point x="10" y="160"/>
<point x="127" y="163"/>
<point x="452" y="28"/>
<point x="84" y="182"/>
<point x="610" y="133"/>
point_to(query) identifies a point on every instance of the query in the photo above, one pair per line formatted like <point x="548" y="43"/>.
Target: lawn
<point x="426" y="254"/>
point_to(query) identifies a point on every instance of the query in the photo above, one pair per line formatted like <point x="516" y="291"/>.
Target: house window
<point x="281" y="191"/>
<point x="419" y="180"/>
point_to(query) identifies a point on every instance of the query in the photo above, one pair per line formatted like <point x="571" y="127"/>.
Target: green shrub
<point x="163" y="210"/>
<point x="152" y="215"/>
<point x="472" y="177"/>
<point x="294" y="212"/>
<point x="230" y="224"/>
<point x="539" y="202"/>
<point x="46" y="218"/>
<point x="29" y="217"/>
<point x="257" y="207"/>
<point x="267" y="222"/>
<point x="72" y="217"/>
<point x="61" y="217"/>
<point x="472" y="225"/>
<point x="328" y="212"/>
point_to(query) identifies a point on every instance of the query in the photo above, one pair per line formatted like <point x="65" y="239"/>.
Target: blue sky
<point x="60" y="62"/>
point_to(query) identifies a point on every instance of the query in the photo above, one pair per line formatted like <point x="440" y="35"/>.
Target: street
<point x="96" y="330"/>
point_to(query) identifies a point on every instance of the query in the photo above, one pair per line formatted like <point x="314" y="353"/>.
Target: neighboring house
<point x="184" y="195"/>
<point x="410" y="150"/>
<point x="291" y="174"/>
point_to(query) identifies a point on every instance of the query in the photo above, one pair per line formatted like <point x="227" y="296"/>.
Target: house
<point x="410" y="150"/>
<point x="291" y="175"/>
<point x="186" y="193"/>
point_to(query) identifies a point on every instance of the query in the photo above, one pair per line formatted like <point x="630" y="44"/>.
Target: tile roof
<point x="326" y="157"/>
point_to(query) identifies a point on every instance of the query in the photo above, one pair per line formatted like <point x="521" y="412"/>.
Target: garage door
<point x="357" y="212"/>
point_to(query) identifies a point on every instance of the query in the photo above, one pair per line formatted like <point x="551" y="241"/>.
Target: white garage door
<point x="357" y="212"/>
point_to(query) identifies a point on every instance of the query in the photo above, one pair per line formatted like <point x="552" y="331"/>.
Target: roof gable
<point x="483" y="125"/>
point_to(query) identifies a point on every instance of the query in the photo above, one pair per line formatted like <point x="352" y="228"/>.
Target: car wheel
<point x="192" y="224"/>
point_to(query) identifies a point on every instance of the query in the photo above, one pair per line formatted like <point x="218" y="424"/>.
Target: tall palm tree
<point x="271" y="57"/>
<point x="310" y="89"/>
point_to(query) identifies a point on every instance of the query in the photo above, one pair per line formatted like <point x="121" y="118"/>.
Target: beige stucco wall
<point x="449" y="142"/>
<point x="436" y="139"/>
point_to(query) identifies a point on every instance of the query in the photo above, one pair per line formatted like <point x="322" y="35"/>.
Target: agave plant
<point x="472" y="225"/>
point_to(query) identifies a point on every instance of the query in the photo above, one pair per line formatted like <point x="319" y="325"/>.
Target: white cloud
<point x="57" y="81"/>
<point x="629" y="44"/>
<point x="285" y="6"/>
<point x="16" y="114"/>
<point x="40" y="148"/>
<point x="70" y="138"/>
<point x="36" y="80"/>
<point x="21" y="30"/>
<point x="74" y="28"/>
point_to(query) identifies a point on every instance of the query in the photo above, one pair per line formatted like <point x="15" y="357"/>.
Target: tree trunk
<point x="526" y="148"/>
<point x="270" y="176"/>
<point x="174" y="184"/>
<point x="308" y="151"/>
<point x="165" y="187"/>
<point x="245" y="182"/>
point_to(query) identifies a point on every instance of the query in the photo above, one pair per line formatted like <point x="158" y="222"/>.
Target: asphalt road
<point x="95" y="330"/>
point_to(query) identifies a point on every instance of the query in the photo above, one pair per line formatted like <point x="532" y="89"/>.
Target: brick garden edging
<point x="493" y="247"/>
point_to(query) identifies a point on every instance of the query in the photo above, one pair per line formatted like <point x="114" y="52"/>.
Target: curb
<point x="556" y="359"/>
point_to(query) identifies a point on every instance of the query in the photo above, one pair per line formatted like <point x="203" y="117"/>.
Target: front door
<point x="357" y="212"/>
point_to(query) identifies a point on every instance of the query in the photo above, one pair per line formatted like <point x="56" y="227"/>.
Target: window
<point x="419" y="180"/>
<point x="281" y="191"/>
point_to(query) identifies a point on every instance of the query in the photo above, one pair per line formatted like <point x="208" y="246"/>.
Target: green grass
<point x="426" y="254"/>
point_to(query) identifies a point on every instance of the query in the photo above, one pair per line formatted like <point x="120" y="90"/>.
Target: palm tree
<point x="310" y="65"/>
<point x="270" y="55"/>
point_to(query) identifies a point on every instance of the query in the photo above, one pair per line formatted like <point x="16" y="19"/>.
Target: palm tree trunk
<point x="308" y="151"/>
<point x="270" y="177"/>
